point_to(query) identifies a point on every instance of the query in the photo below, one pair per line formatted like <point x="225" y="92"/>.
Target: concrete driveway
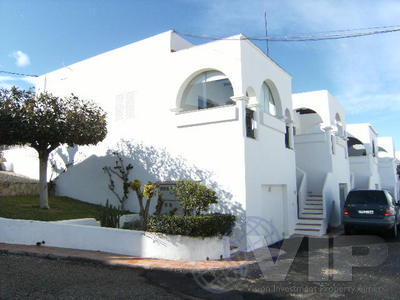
<point x="365" y="266"/>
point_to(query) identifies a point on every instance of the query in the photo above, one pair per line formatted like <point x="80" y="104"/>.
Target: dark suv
<point x="371" y="209"/>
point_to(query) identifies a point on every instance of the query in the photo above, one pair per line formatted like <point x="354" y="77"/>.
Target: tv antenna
<point x="266" y="31"/>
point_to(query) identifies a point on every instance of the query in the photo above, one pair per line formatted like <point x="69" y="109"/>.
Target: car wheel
<point x="347" y="230"/>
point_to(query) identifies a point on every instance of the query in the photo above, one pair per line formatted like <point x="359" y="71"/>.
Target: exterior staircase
<point x="311" y="219"/>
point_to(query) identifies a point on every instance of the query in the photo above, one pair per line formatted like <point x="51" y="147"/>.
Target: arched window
<point x="380" y="149"/>
<point x="309" y="121"/>
<point x="356" y="147"/>
<point x="209" y="89"/>
<point x="269" y="102"/>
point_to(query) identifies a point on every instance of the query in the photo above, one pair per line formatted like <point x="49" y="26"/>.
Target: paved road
<point x="36" y="278"/>
<point x="381" y="281"/>
<point x="24" y="277"/>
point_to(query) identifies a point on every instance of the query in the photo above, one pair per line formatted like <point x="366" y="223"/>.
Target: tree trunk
<point x="44" y="194"/>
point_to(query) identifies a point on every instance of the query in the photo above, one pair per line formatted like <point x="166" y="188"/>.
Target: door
<point x="274" y="209"/>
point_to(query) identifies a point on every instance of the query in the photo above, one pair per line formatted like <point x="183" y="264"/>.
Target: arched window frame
<point x="270" y="101"/>
<point x="351" y="142"/>
<point x="205" y="102"/>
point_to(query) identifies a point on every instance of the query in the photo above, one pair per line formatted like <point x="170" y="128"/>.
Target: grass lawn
<point x="61" y="208"/>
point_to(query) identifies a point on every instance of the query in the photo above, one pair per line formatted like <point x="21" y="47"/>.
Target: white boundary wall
<point x="84" y="221"/>
<point x="118" y="241"/>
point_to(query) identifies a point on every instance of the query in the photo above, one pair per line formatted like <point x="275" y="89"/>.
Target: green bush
<point x="110" y="216"/>
<point x="194" y="197"/>
<point x="197" y="226"/>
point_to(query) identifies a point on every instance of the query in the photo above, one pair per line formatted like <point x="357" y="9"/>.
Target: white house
<point x="321" y="157"/>
<point x="219" y="112"/>
<point x="387" y="165"/>
<point x="363" y="150"/>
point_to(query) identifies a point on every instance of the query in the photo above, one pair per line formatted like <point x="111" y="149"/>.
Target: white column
<point x="241" y="104"/>
<point x="291" y="136"/>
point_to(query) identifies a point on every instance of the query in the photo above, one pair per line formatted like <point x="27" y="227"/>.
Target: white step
<point x="312" y="210"/>
<point x="313" y="203"/>
<point x="310" y="221"/>
<point x="314" y="200"/>
<point x="311" y="227"/>
<point x="315" y="196"/>
<point x="311" y="215"/>
<point x="308" y="233"/>
<point x="312" y="207"/>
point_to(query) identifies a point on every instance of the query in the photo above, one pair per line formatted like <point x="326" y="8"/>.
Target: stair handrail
<point x="301" y="191"/>
<point x="325" y="197"/>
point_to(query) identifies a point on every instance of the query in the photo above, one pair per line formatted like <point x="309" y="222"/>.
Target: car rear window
<point x="367" y="197"/>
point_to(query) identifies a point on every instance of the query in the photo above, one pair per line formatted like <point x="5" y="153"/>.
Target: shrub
<point x="110" y="216"/>
<point x="197" y="226"/>
<point x="147" y="193"/>
<point x="194" y="197"/>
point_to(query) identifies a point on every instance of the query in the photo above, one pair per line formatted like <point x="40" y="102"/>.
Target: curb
<point x="119" y="265"/>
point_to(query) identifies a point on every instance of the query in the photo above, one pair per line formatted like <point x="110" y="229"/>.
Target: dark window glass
<point x="287" y="137"/>
<point x="250" y="132"/>
<point x="367" y="197"/>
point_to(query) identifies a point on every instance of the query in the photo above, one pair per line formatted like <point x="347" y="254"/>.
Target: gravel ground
<point x="24" y="277"/>
<point x="374" y="282"/>
<point x="9" y="177"/>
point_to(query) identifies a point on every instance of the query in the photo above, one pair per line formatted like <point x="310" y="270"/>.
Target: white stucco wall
<point x="321" y="149"/>
<point x="118" y="241"/>
<point x="270" y="166"/>
<point x="151" y="76"/>
<point x="164" y="144"/>
<point x="25" y="161"/>
<point x="325" y="105"/>
<point x="365" y="168"/>
<point x="387" y="165"/>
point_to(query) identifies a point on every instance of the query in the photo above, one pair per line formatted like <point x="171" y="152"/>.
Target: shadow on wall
<point x="87" y="181"/>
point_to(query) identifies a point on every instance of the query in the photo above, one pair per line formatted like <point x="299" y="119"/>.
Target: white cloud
<point x="378" y="102"/>
<point x="21" y="59"/>
<point x="362" y="71"/>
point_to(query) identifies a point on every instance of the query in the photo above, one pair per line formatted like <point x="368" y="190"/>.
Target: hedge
<point x="197" y="226"/>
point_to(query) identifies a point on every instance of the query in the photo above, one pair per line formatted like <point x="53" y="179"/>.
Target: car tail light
<point x="346" y="212"/>
<point x="389" y="212"/>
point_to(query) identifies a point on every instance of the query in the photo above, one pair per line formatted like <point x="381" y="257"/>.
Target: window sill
<point x="213" y="115"/>
<point x="272" y="122"/>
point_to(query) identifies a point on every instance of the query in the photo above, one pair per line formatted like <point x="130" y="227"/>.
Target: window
<point x="373" y="149"/>
<point x="367" y="197"/>
<point x="355" y="147"/>
<point x="268" y="100"/>
<point x="209" y="89"/>
<point x="125" y="106"/>
<point x="333" y="142"/>
<point x="287" y="137"/>
<point x="288" y="131"/>
<point x="250" y="130"/>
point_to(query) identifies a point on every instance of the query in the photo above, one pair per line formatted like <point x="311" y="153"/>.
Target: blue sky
<point x="363" y="73"/>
